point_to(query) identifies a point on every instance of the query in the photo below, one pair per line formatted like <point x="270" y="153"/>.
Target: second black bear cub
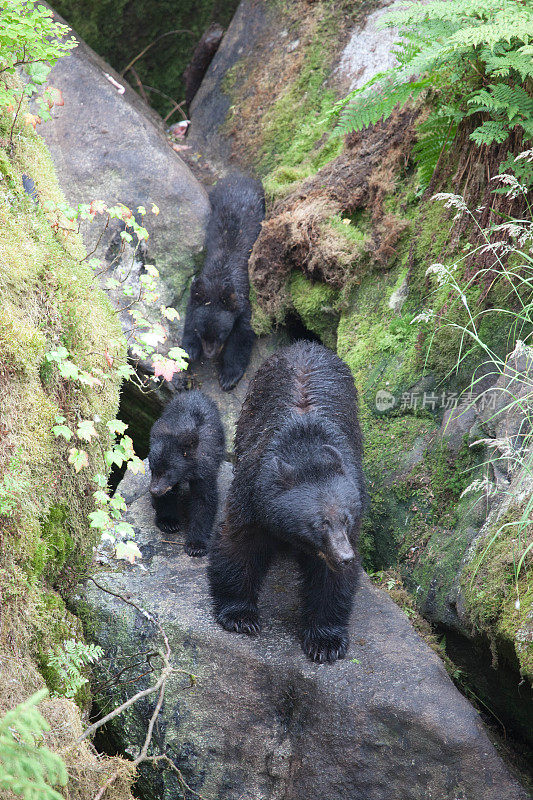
<point x="297" y="487"/>
<point x="218" y="315"/>
<point x="187" y="445"/>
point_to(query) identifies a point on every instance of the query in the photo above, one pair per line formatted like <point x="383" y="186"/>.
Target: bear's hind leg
<point x="327" y="602"/>
<point x="203" y="509"/>
<point x="236" y="354"/>
<point x="236" y="571"/>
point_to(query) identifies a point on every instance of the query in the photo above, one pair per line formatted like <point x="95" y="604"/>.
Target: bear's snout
<point x="159" y="488"/>
<point x="338" y="547"/>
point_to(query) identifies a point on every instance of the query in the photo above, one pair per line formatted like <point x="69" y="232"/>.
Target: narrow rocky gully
<point x="433" y="699"/>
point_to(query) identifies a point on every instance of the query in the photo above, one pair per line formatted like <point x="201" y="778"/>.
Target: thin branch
<point x="141" y="54"/>
<point x="140" y="85"/>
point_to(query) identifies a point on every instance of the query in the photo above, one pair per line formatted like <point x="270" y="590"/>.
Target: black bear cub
<point x="298" y="487"/>
<point x="218" y="315"/>
<point x="187" y="445"/>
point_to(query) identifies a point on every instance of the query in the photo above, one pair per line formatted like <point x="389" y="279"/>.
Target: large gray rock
<point x="262" y="722"/>
<point x="107" y="144"/>
<point x="212" y="102"/>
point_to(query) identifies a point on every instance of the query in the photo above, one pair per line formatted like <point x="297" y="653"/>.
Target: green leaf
<point x="62" y="430"/>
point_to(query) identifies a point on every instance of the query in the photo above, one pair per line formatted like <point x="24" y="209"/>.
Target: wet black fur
<point x="298" y="475"/>
<point x="218" y="314"/>
<point x="201" y="58"/>
<point x="187" y="445"/>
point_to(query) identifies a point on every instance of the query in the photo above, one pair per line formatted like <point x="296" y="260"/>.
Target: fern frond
<point x="434" y="137"/>
<point x="375" y="106"/>
<point x="490" y="132"/>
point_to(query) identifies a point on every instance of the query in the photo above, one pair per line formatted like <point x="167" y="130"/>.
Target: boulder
<point x="211" y="104"/>
<point x="108" y="145"/>
<point x="261" y="721"/>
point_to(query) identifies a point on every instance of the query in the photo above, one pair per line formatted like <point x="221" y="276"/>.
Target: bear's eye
<point x="184" y="454"/>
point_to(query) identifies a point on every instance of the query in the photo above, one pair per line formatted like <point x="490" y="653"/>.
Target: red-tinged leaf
<point x="109" y="358"/>
<point x="32" y="119"/>
<point x="54" y="97"/>
<point x="165" y="367"/>
<point x="97" y="207"/>
<point x="180" y="147"/>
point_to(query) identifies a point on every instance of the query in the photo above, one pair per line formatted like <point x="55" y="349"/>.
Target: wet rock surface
<point x="262" y="722"/>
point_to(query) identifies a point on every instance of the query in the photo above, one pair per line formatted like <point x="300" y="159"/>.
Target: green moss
<point x="261" y="322"/>
<point x="315" y="305"/>
<point x="46" y="289"/>
<point x="491" y="587"/>
<point x="295" y="141"/>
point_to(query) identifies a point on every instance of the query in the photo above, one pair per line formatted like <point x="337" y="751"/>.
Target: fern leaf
<point x="490" y="132"/>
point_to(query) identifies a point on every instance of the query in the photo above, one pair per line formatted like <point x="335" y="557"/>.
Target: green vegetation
<point x="469" y="59"/>
<point x="32" y="41"/>
<point x="27" y="768"/>
<point x="315" y="305"/>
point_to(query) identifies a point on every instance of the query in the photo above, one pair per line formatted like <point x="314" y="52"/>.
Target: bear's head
<point x="314" y="506"/>
<point x="172" y="457"/>
<point x="215" y="308"/>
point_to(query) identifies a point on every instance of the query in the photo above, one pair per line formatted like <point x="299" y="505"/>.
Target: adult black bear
<point x="218" y="314"/>
<point x="298" y="486"/>
<point x="187" y="445"/>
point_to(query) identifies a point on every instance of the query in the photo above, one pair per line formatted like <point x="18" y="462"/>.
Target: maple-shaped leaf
<point x="116" y="426"/>
<point x="86" y="430"/>
<point x="136" y="465"/>
<point x="99" y="519"/>
<point x="169" y="313"/>
<point x="32" y="119"/>
<point x="62" y="430"/>
<point x="78" y="458"/>
<point x="156" y="335"/>
<point x="165" y="367"/>
<point x="97" y="207"/>
<point x="54" y="97"/>
<point x="127" y="551"/>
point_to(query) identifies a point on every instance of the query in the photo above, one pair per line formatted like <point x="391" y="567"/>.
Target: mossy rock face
<point x="46" y="292"/>
<point x="315" y="305"/>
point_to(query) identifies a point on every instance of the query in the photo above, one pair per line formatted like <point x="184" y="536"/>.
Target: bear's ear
<point x="199" y="291"/>
<point x="228" y="297"/>
<point x="189" y="440"/>
<point x="284" y="473"/>
<point x="333" y="456"/>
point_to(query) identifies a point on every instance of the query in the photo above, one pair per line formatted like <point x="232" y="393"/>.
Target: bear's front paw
<point x="323" y="645"/>
<point x="167" y="524"/>
<point x="243" y="621"/>
<point x="228" y="378"/>
<point x="196" y="549"/>
<point x="193" y="350"/>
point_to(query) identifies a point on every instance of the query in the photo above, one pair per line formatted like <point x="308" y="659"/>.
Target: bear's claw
<point x="196" y="549"/>
<point x="167" y="526"/>
<point x="228" y="380"/>
<point x="247" y="623"/>
<point x="323" y="648"/>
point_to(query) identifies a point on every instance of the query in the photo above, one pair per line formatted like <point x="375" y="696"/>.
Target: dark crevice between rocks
<point x="503" y="702"/>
